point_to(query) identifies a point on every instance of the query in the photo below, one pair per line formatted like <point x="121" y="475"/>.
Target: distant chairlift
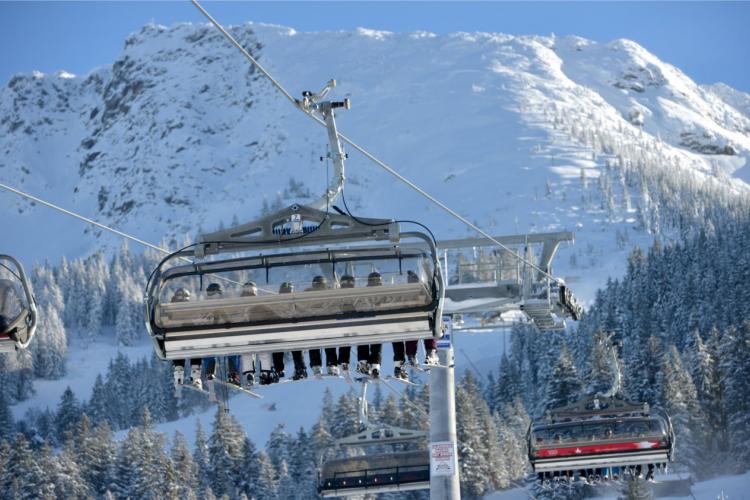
<point x="601" y="438"/>
<point x="376" y="473"/>
<point x="18" y="314"/>
<point x="486" y="281"/>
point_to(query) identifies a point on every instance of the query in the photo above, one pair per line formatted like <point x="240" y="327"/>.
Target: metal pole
<point x="443" y="422"/>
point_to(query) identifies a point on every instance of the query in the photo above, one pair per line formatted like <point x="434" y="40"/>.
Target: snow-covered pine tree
<point x="200" y="457"/>
<point x="599" y="375"/>
<point x="564" y="387"/>
<point x="267" y="485"/>
<point x="68" y="414"/>
<point x="344" y="418"/>
<point x="225" y="454"/>
<point x="250" y="470"/>
<point x="6" y="418"/>
<point x="704" y="370"/>
<point x="474" y="471"/>
<point x="94" y="452"/>
<point x="681" y="403"/>
<point x="185" y="470"/>
<point x="128" y="328"/>
<point x="735" y="373"/>
<point x="49" y="348"/>
<point x="67" y="478"/>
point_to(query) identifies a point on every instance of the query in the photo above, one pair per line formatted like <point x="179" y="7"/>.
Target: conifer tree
<point x="564" y="387"/>
<point x="68" y="414"/>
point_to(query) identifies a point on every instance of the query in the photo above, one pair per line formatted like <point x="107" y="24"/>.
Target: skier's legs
<point x="233" y="364"/>
<point x="299" y="360"/>
<point x="411" y="348"/>
<point x="363" y="353"/>
<point x="265" y="361"/>
<point x="233" y="369"/>
<point x="315" y="358"/>
<point x="278" y="363"/>
<point x="331" y="358"/>
<point x="247" y="361"/>
<point x="178" y="365"/>
<point x="375" y="353"/>
<point x="398" y="352"/>
<point x="345" y="354"/>
<point x="210" y="366"/>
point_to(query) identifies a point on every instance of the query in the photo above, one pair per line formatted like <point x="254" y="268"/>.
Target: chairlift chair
<point x="375" y="473"/>
<point x="600" y="437"/>
<point x="18" y="312"/>
<point x="292" y="247"/>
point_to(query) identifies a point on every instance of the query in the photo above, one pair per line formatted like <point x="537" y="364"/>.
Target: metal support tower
<point x="443" y="422"/>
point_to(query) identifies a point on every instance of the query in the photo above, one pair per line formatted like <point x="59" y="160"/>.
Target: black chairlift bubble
<point x="18" y="311"/>
<point x="309" y="317"/>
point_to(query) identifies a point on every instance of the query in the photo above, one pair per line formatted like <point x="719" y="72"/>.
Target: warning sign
<point x="443" y="458"/>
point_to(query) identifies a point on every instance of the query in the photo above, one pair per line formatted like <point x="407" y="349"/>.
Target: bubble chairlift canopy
<point x="276" y="285"/>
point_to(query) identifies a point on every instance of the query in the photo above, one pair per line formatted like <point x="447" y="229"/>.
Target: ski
<point x="239" y="388"/>
<point x="211" y="397"/>
<point x="402" y="380"/>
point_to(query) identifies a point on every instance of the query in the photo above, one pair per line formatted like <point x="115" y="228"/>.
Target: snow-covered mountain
<point x="181" y="133"/>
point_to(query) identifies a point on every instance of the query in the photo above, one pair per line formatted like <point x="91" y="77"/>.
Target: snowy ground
<point x="733" y="487"/>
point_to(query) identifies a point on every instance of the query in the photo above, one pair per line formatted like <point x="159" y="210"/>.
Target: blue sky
<point x="710" y="41"/>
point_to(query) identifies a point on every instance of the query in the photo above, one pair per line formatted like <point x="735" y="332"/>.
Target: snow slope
<point x="735" y="487"/>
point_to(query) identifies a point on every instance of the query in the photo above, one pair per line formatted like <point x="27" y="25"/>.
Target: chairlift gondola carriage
<point x="601" y="438"/>
<point x="291" y="248"/>
<point x="373" y="473"/>
<point x="18" y="313"/>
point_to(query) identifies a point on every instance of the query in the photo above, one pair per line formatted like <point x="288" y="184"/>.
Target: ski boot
<point x="179" y="374"/>
<point x="431" y="357"/>
<point x="332" y="370"/>
<point x="317" y="371"/>
<point x="195" y="377"/>
<point x="267" y="377"/>
<point x="300" y="373"/>
<point x="375" y="370"/>
<point x="399" y="371"/>
<point x="234" y="379"/>
<point x="249" y="379"/>
<point x="412" y="361"/>
<point x="363" y="367"/>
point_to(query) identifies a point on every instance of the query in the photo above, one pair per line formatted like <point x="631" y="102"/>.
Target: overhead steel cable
<point x="94" y="223"/>
<point x="362" y="150"/>
<point x="84" y="219"/>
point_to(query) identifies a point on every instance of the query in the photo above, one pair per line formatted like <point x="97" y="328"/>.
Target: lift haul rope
<point x="359" y="148"/>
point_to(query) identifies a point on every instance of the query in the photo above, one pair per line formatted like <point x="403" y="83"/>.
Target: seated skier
<point x="247" y="361"/>
<point x="430" y="345"/>
<point x="369" y="356"/>
<point x="345" y="352"/>
<point x="183" y="295"/>
<point x="316" y="363"/>
<point x="213" y="292"/>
